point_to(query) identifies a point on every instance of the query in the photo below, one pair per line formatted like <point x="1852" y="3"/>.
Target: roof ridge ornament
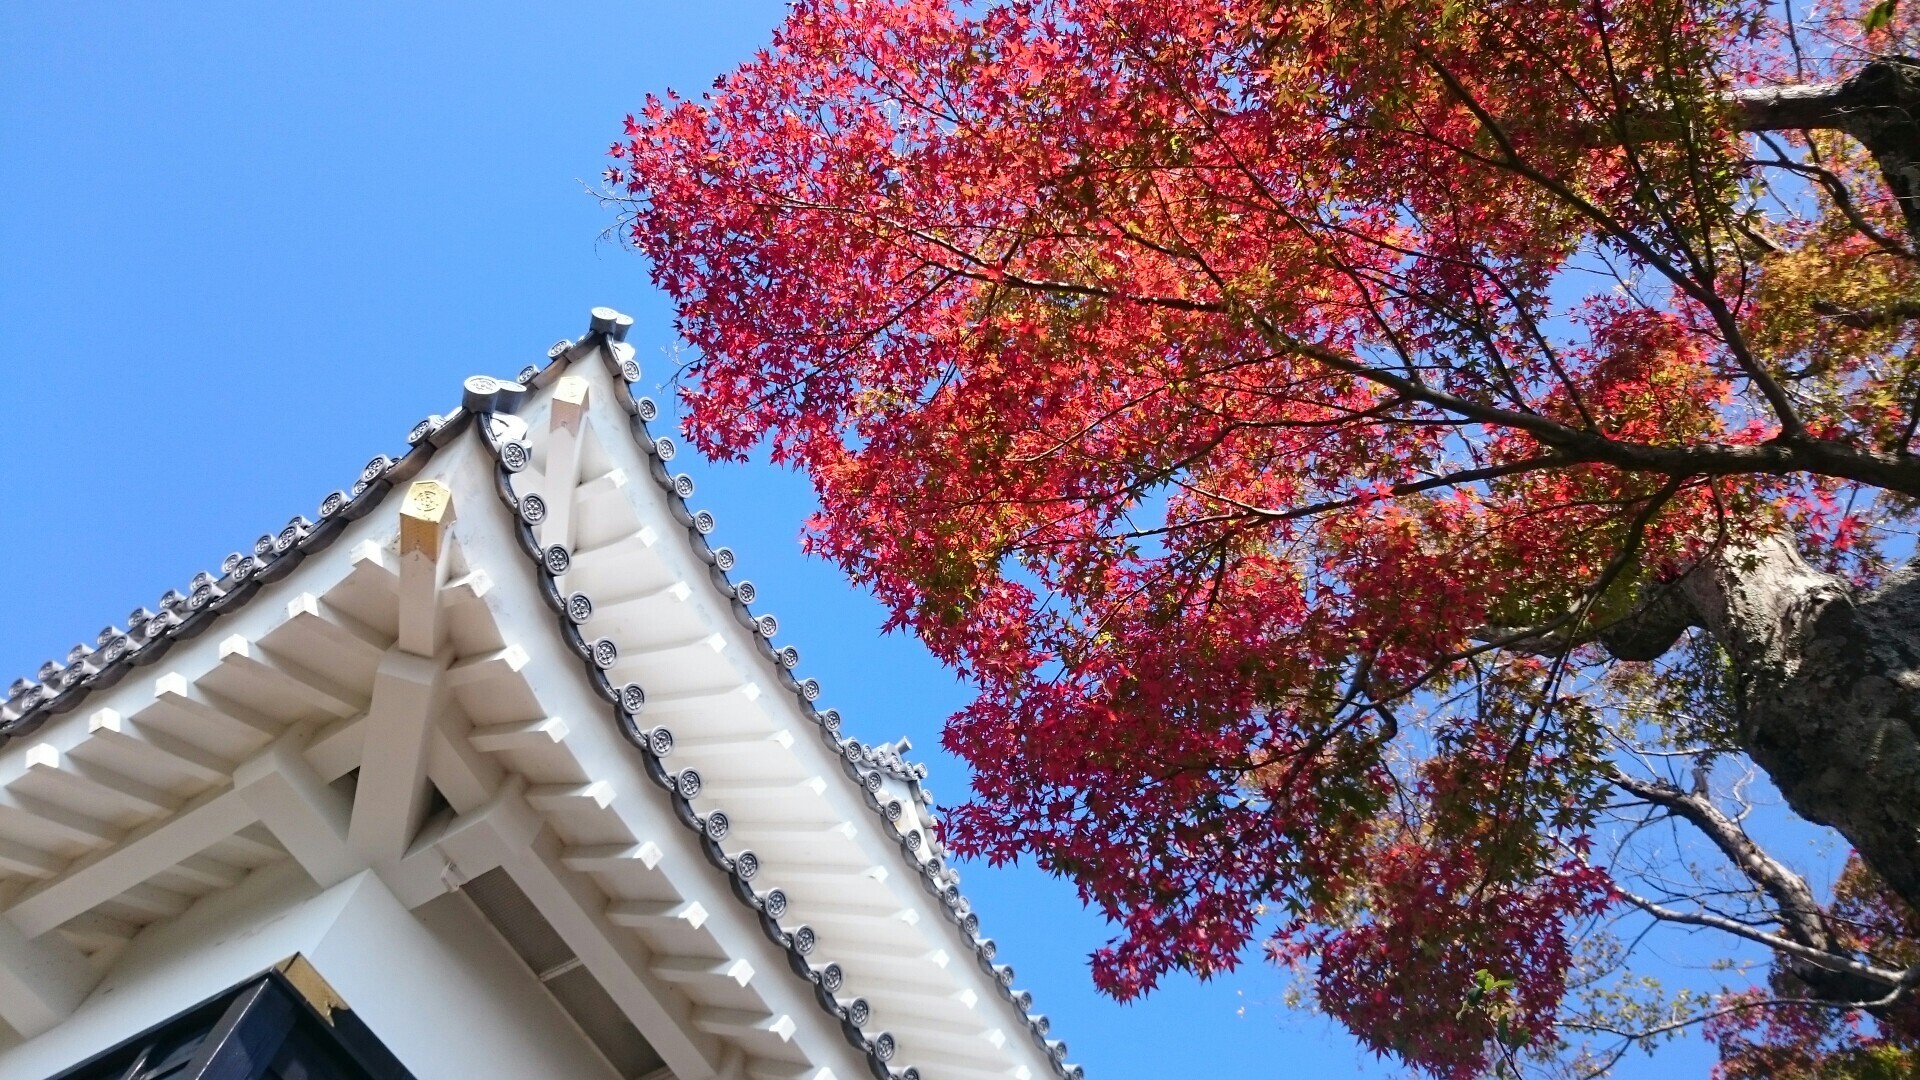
<point x="485" y="394"/>
<point x="614" y="324"/>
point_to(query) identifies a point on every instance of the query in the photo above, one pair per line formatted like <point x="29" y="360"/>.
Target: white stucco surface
<point x="437" y="985"/>
<point x="446" y="995"/>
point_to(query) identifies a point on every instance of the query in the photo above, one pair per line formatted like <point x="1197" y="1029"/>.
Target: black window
<point x="263" y="1029"/>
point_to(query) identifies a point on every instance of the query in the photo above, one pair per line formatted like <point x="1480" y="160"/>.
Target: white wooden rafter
<point x="172" y="692"/>
<point x="605" y="858"/>
<point x="58" y="823"/>
<point x="320" y="620"/>
<point x="107" y="728"/>
<point x="658" y="914"/>
<point x="287" y="677"/>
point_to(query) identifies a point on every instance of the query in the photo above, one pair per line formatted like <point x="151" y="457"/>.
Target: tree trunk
<point x="1827" y="693"/>
<point x="1826" y="677"/>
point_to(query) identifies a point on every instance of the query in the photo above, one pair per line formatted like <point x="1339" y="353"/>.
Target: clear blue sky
<point x="243" y="247"/>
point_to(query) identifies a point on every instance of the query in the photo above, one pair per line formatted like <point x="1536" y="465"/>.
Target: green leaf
<point x="1879" y="15"/>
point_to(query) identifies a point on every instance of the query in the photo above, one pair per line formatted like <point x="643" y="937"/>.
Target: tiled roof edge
<point x="60" y="688"/>
<point x="867" y="766"/>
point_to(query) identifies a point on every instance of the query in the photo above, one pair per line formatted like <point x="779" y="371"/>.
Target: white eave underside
<point x="177" y="777"/>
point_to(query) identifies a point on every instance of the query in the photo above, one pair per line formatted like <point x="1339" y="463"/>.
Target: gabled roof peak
<point x="889" y="783"/>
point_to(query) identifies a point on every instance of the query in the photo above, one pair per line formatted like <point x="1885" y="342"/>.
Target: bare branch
<point x="1817" y="957"/>
<point x="1802" y="916"/>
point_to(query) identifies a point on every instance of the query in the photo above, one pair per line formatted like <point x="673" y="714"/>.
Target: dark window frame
<point x="262" y="1029"/>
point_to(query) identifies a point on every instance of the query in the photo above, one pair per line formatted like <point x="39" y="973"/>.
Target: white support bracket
<point x="510" y="833"/>
<point x="308" y="817"/>
<point x="41" y="980"/>
<point x="454" y="850"/>
<point x="390" y="800"/>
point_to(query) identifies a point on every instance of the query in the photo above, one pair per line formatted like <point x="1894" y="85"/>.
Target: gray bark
<point x="1826" y="690"/>
<point x="1827" y="677"/>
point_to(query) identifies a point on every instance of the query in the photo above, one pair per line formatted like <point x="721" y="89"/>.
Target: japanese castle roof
<point x="527" y="562"/>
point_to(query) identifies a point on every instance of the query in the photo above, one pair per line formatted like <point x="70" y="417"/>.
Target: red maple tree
<point x="1372" y="461"/>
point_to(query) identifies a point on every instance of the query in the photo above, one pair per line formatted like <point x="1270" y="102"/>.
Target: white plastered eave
<point x="876" y="792"/>
<point x="876" y="785"/>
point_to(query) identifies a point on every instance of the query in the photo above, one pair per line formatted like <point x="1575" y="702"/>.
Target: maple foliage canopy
<point x="1283" y="415"/>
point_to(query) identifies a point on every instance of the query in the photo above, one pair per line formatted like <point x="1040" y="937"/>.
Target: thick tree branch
<point x="1871" y="318"/>
<point x="1879" y="105"/>
<point x="1651" y="628"/>
<point x="1826" y="692"/>
<point x="1823" y="106"/>
<point x="1779" y="457"/>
